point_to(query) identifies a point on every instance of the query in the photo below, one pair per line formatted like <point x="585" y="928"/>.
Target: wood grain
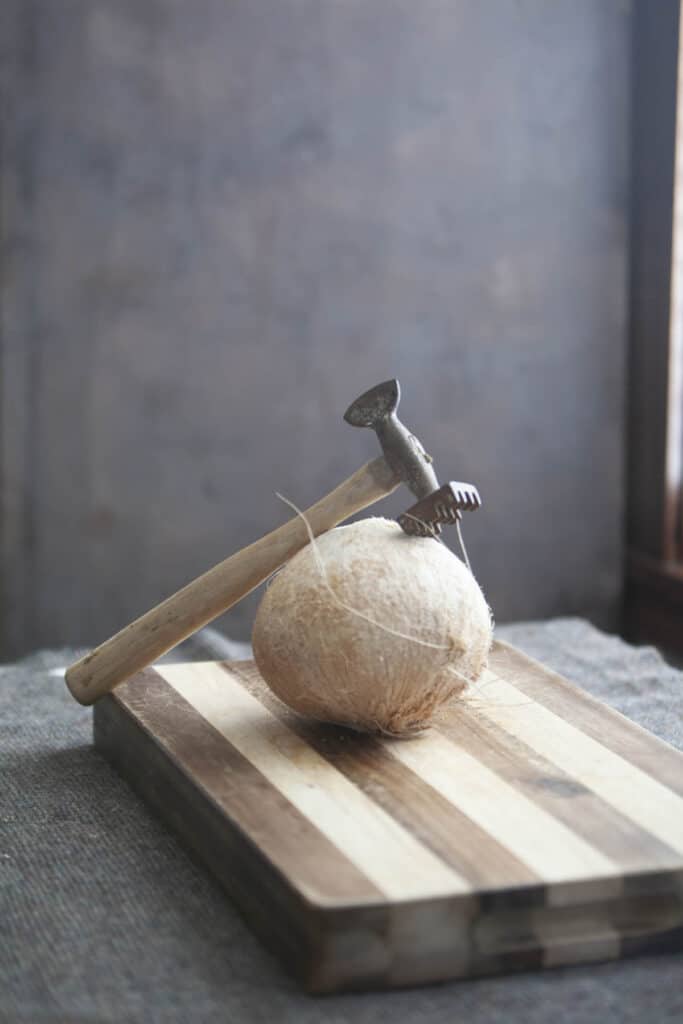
<point x="520" y="832"/>
<point x="403" y="794"/>
<point x="596" y="719"/>
<point x="557" y="791"/>
<point x="380" y="847"/>
<point x="296" y="846"/>
<point x="620" y="783"/>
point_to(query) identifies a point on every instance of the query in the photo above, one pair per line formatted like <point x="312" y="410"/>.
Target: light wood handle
<point x="160" y="629"/>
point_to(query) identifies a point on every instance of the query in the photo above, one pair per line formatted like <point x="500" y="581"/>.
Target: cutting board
<point x="533" y="827"/>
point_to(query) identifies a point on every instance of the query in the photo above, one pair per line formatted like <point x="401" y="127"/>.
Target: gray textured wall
<point x="223" y="220"/>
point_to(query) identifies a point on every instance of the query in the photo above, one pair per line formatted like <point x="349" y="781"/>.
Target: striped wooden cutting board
<point x="533" y="827"/>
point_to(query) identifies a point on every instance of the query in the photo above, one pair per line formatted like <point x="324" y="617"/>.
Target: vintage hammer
<point x="157" y="631"/>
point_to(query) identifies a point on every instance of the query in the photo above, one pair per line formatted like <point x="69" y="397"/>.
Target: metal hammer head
<point x="405" y="455"/>
<point x="376" y="408"/>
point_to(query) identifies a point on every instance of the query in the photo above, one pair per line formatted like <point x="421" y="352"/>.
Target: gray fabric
<point x="103" y="917"/>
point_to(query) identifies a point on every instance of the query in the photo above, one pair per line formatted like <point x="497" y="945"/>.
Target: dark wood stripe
<point x="657" y="942"/>
<point x="589" y="816"/>
<point x="288" y="838"/>
<point x="529" y="957"/>
<point x="651" y="921"/>
<point x="435" y="822"/>
<point x="602" y="723"/>
<point x="656" y="883"/>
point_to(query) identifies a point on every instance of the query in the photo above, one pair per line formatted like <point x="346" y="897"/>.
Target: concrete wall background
<point x="222" y="221"/>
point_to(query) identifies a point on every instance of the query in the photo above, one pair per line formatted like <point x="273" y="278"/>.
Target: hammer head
<point x="405" y="455"/>
<point x="401" y="449"/>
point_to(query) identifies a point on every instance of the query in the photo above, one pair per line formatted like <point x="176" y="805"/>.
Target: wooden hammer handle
<point x="160" y="629"/>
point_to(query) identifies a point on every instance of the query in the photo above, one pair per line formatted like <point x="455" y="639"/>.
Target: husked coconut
<point x="371" y="628"/>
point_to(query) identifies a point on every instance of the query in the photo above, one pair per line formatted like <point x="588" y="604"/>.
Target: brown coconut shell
<point x="372" y="629"/>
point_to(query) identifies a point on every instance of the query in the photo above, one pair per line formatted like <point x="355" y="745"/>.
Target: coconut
<point x="371" y="628"/>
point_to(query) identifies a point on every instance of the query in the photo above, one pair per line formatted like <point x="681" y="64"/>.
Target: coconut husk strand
<point x="372" y="629"/>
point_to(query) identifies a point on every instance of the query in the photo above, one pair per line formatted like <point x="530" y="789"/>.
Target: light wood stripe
<point x="545" y="845"/>
<point x="435" y="821"/>
<point x="377" y="844"/>
<point x="619" y="838"/>
<point x="626" y="787"/>
<point x="287" y="838"/>
<point x="597" y="720"/>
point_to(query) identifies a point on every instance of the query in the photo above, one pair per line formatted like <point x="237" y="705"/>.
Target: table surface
<point x="106" y="918"/>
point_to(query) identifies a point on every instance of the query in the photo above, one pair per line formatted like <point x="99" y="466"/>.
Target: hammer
<point x="160" y="629"/>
